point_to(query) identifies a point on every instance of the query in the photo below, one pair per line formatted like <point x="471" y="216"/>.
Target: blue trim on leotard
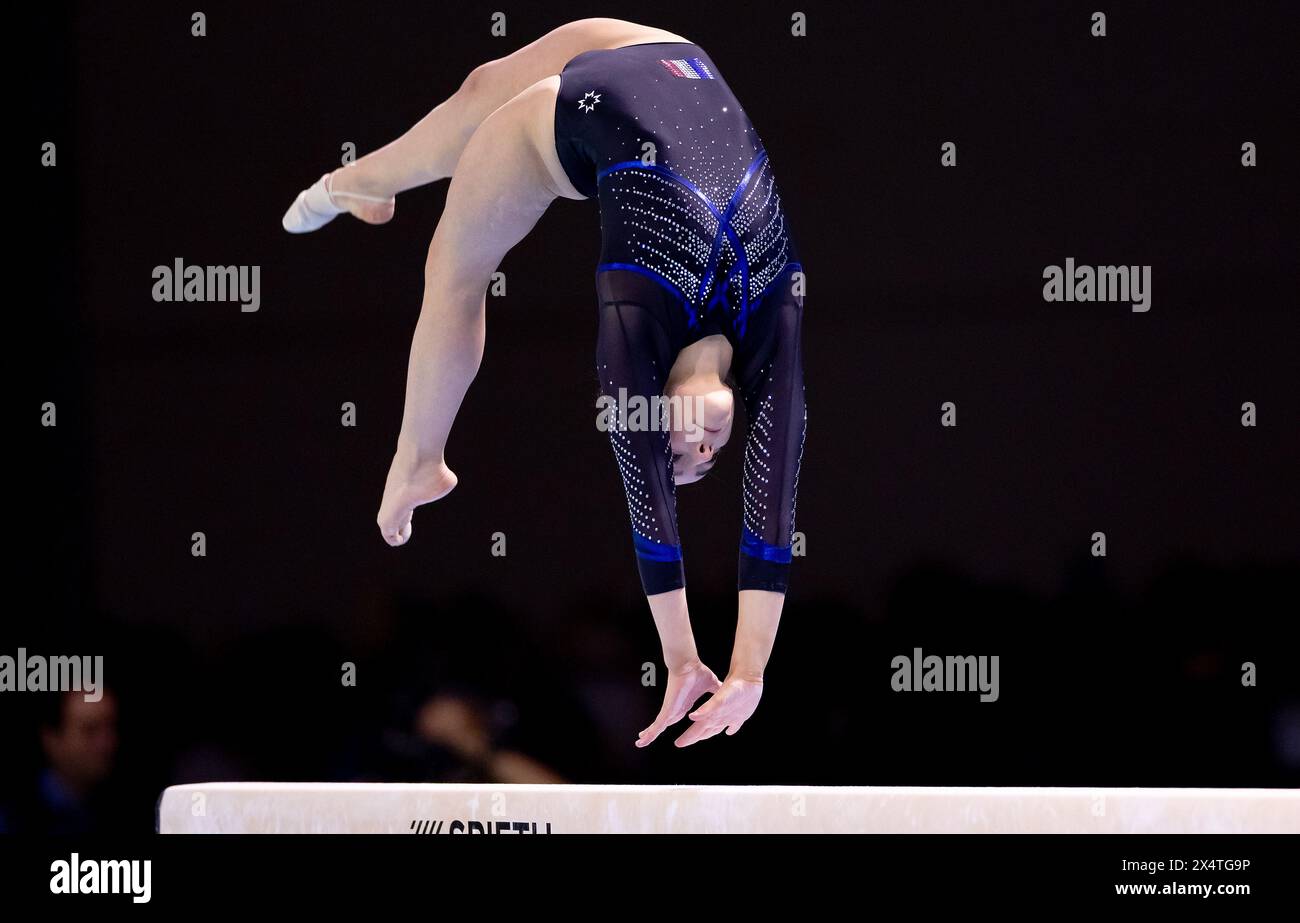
<point x="655" y="551"/>
<point x="724" y="227"/>
<point x="724" y="230"/>
<point x="691" y="319"/>
<point x="755" y="547"/>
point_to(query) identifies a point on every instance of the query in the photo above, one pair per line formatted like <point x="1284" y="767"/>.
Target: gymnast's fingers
<point x="708" y="708"/>
<point x="700" y="731"/>
<point x="651" y="734"/>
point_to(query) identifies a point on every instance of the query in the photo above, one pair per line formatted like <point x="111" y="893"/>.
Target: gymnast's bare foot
<point x="408" y="486"/>
<point x="685" y="685"/>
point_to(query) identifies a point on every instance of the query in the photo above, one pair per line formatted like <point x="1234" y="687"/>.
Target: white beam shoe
<point x="316" y="207"/>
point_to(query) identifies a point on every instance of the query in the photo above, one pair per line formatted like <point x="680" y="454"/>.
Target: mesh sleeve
<point x="772" y="387"/>
<point x="633" y="358"/>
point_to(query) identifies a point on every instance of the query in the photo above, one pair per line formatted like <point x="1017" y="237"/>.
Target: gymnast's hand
<point x="685" y="685"/>
<point x="407" y="487"/>
<point x="728" y="709"/>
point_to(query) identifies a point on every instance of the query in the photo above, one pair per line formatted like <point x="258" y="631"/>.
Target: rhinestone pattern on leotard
<point x="707" y="249"/>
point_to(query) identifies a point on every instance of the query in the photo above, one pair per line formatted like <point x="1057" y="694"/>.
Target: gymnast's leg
<point x="430" y="150"/>
<point x="502" y="189"/>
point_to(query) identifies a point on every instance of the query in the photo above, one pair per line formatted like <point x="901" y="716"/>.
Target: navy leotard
<point x="694" y="243"/>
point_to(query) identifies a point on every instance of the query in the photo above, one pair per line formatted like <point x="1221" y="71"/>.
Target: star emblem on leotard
<point x="588" y="102"/>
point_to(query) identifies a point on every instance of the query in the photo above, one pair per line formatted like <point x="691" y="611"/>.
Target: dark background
<point x="924" y="287"/>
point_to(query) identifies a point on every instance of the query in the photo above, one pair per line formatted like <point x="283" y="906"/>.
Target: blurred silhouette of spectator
<point x="74" y="792"/>
<point x="452" y="739"/>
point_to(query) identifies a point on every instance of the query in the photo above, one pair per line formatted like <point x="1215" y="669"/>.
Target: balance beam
<point x="267" y="807"/>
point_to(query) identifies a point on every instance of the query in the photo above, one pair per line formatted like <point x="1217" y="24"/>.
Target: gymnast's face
<point x="699" y="426"/>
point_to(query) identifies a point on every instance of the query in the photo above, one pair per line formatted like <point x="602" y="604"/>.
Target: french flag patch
<point x="693" y="68"/>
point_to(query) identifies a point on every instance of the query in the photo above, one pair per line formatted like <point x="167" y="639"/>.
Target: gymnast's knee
<point x="478" y="79"/>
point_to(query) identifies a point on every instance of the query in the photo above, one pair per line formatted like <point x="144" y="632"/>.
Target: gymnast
<point x="698" y="287"/>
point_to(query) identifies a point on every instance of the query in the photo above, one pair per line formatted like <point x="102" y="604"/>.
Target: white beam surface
<point x="413" y="809"/>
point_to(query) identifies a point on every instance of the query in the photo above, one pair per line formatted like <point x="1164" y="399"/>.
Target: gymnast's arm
<point x="771" y="380"/>
<point x="633" y="356"/>
<point x="770" y="375"/>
